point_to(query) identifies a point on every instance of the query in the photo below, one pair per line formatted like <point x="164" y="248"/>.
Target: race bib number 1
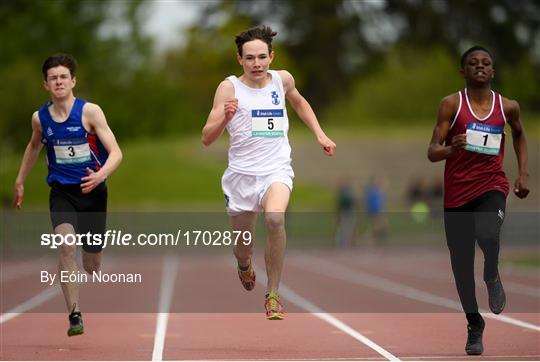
<point x="267" y="123"/>
<point x="482" y="138"/>
<point x="72" y="151"/>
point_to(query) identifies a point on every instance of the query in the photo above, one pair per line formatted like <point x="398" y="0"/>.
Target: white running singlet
<point x="259" y="144"/>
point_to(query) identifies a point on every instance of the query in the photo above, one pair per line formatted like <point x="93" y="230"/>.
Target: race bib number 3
<point x="482" y="138"/>
<point x="72" y="151"/>
<point x="267" y="123"/>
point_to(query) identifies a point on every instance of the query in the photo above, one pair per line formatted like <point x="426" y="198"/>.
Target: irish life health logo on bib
<point x="267" y="123"/>
<point x="482" y="138"/>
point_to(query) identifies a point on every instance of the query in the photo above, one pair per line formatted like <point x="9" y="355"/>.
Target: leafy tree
<point x="323" y="39"/>
<point x="509" y="28"/>
<point x="336" y="42"/>
<point x="33" y="30"/>
<point x="194" y="71"/>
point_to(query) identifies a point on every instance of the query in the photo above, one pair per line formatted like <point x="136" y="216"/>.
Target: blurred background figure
<point x="418" y="196"/>
<point x="435" y="197"/>
<point x="346" y="209"/>
<point x="375" y="200"/>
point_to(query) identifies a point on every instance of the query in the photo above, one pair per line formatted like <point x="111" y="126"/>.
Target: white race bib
<point x="482" y="138"/>
<point x="72" y="151"/>
<point x="267" y="123"/>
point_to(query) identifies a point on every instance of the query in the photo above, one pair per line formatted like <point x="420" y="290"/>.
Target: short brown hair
<point x="262" y="32"/>
<point x="56" y="60"/>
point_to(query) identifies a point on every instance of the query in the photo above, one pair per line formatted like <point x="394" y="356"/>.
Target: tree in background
<point x="332" y="47"/>
<point x="207" y="58"/>
<point x="323" y="39"/>
<point x="103" y="35"/>
<point x="335" y="42"/>
<point x="509" y="29"/>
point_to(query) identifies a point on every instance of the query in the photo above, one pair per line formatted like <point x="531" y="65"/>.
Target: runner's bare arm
<point x="223" y="110"/>
<point x="94" y="117"/>
<point x="512" y="112"/>
<point x="305" y="112"/>
<point x="437" y="151"/>
<point x="29" y="159"/>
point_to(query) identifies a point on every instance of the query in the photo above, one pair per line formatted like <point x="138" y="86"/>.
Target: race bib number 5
<point x="482" y="138"/>
<point x="267" y="123"/>
<point x="72" y="151"/>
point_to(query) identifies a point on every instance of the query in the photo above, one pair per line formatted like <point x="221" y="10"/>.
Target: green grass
<point x="181" y="175"/>
<point x="156" y="175"/>
<point x="36" y="189"/>
<point x="164" y="173"/>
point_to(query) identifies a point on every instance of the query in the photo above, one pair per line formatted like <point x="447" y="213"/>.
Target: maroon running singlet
<point x="478" y="168"/>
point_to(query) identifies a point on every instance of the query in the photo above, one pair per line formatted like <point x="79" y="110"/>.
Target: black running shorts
<point x="86" y="212"/>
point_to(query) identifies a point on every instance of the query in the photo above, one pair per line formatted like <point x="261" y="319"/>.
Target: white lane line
<point x="16" y="274"/>
<point x="396" y="265"/>
<point x="31" y="303"/>
<point x="305" y="304"/>
<point x="288" y="360"/>
<point x="168" y="277"/>
<point x="22" y="269"/>
<point x="509" y="286"/>
<point x="514" y="269"/>
<point x="490" y="357"/>
<point x="324" y="267"/>
<point x="510" y="320"/>
<point x="413" y="358"/>
<point x="522" y="289"/>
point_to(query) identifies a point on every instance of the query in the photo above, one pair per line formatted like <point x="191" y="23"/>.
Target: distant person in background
<point x="81" y="153"/>
<point x="375" y="202"/>
<point x="259" y="176"/>
<point x="435" y="197"/>
<point x="418" y="200"/>
<point x="469" y="135"/>
<point x="417" y="190"/>
<point x="346" y="203"/>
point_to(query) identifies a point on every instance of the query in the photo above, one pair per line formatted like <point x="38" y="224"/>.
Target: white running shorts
<point x="245" y="192"/>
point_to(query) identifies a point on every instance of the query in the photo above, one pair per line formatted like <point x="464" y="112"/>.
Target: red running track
<point x="376" y="305"/>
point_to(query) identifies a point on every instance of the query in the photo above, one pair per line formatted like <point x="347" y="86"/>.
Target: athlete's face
<point x="255" y="59"/>
<point x="59" y="82"/>
<point x="478" y="67"/>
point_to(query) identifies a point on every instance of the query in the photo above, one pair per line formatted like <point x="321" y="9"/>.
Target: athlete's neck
<point x="479" y="95"/>
<point x="256" y="83"/>
<point x="62" y="107"/>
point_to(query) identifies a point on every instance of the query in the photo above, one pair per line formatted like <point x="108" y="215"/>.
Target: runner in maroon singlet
<point x="469" y="135"/>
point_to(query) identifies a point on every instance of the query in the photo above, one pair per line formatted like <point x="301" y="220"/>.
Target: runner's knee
<point x="275" y="221"/>
<point x="488" y="236"/>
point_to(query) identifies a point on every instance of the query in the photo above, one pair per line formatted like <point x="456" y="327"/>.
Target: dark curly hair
<point x="473" y="49"/>
<point x="55" y="60"/>
<point x="263" y="32"/>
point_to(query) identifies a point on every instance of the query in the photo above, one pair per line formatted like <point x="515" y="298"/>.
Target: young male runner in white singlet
<point x="259" y="175"/>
